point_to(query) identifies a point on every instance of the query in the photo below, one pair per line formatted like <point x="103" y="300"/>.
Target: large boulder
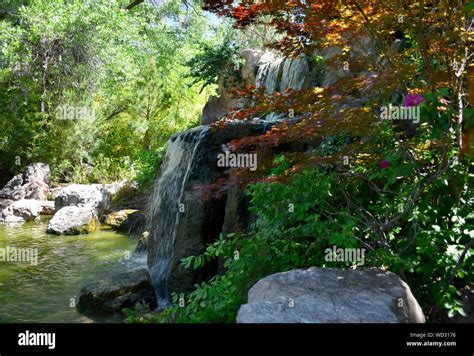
<point x="123" y="290"/>
<point x="326" y="295"/>
<point x="32" y="184"/>
<point x="22" y="210"/>
<point x="94" y="196"/>
<point x="73" y="220"/>
<point x="37" y="172"/>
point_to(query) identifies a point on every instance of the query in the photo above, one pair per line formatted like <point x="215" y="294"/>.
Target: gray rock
<point x="94" y="196"/>
<point x="37" y="172"/>
<point x="5" y="203"/>
<point x="123" y="290"/>
<point x="73" y="220"/>
<point x="54" y="192"/>
<point x="13" y="189"/>
<point x="22" y="210"/>
<point x="214" y="109"/>
<point x="32" y="184"/>
<point x="326" y="295"/>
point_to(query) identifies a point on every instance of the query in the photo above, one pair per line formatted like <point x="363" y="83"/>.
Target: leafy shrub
<point x="412" y="215"/>
<point x="214" y="62"/>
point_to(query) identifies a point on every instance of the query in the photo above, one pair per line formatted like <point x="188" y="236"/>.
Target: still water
<point x="43" y="292"/>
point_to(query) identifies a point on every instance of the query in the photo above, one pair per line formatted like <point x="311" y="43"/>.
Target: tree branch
<point x="133" y="4"/>
<point x="460" y="261"/>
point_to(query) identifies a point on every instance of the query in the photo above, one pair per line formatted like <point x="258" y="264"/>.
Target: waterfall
<point x="279" y="75"/>
<point x="294" y="75"/>
<point x="163" y="217"/>
<point x="191" y="160"/>
<point x="282" y="74"/>
<point x="269" y="74"/>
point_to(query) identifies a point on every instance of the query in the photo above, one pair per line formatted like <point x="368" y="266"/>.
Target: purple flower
<point x="414" y="99"/>
<point x="384" y="164"/>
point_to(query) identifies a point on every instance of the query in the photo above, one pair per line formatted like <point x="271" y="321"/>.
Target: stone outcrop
<point x="326" y="295"/>
<point x="218" y="106"/>
<point x="182" y="220"/>
<point x="5" y="203"/>
<point x="214" y="109"/>
<point x="123" y="290"/>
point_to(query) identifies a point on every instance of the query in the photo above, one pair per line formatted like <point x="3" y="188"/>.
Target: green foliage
<point x="127" y="68"/>
<point x="407" y="217"/>
<point x="214" y="62"/>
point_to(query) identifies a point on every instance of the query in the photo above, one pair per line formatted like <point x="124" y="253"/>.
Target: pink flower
<point x="384" y="164"/>
<point x="414" y="99"/>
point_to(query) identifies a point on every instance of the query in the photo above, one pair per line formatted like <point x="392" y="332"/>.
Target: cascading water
<point x="191" y="159"/>
<point x="269" y="75"/>
<point x="280" y="75"/>
<point x="295" y="71"/>
<point x="164" y="214"/>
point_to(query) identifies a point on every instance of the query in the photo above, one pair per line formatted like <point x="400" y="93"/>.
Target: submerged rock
<point x="327" y="295"/>
<point x="73" y="220"/>
<point x="134" y="224"/>
<point x="123" y="290"/>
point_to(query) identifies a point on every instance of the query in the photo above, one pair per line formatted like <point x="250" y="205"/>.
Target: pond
<point x="47" y="288"/>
